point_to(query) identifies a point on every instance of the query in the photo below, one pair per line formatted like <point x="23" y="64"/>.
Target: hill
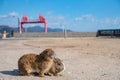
<point x="5" y="27"/>
<point x="31" y="29"/>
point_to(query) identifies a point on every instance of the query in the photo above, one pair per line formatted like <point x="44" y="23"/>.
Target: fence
<point x="108" y="32"/>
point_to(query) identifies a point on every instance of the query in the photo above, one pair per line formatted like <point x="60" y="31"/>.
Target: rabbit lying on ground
<point x="57" y="67"/>
<point x="30" y="63"/>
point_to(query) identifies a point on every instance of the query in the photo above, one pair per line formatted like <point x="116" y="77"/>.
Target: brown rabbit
<point x="31" y="63"/>
<point x="57" y="67"/>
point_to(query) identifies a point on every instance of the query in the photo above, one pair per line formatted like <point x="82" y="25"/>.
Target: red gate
<point x="25" y="20"/>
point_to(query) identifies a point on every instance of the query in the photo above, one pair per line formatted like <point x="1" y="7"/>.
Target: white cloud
<point x="113" y="21"/>
<point x="49" y="12"/>
<point x="3" y="16"/>
<point x="108" y="23"/>
<point x="87" y="17"/>
<point x="90" y="21"/>
<point x="116" y="21"/>
<point x="60" y="17"/>
<point x="78" y="19"/>
<point x="56" y="21"/>
<point x="13" y="14"/>
<point x="105" y="21"/>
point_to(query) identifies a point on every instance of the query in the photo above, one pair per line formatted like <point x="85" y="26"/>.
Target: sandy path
<point x="84" y="58"/>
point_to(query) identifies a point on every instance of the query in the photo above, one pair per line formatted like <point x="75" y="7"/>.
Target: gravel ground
<point x="84" y="58"/>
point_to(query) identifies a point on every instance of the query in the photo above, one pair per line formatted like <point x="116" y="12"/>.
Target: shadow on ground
<point x="12" y="73"/>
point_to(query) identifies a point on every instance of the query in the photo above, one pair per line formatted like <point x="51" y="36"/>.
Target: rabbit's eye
<point x="58" y="63"/>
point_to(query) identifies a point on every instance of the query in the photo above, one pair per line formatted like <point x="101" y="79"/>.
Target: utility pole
<point x="18" y="24"/>
<point x="65" y="33"/>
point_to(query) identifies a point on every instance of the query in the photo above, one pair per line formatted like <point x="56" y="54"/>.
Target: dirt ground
<point x="85" y="58"/>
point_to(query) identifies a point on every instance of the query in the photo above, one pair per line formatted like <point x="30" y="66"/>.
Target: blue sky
<point x="77" y="15"/>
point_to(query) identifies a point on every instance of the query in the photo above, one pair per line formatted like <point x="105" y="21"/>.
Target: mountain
<point x="6" y="28"/>
<point x="31" y="29"/>
<point x="41" y="29"/>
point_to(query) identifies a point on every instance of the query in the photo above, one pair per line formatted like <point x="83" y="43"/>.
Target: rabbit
<point x="57" y="67"/>
<point x="30" y="63"/>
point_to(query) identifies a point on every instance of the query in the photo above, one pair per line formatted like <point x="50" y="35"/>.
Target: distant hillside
<point x="4" y="27"/>
<point x="31" y="29"/>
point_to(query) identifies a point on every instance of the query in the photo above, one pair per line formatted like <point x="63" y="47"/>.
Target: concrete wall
<point x="55" y="34"/>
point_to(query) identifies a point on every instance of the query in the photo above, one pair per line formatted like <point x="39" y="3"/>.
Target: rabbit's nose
<point x="53" y="56"/>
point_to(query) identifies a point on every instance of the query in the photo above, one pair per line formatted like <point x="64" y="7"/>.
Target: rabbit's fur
<point x="30" y="63"/>
<point x="57" y="67"/>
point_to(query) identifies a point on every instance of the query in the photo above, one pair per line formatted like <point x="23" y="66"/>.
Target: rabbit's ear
<point x="44" y="52"/>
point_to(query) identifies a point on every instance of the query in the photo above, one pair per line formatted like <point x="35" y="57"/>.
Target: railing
<point x="108" y="32"/>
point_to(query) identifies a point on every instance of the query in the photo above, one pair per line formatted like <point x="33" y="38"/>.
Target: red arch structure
<point x="25" y="20"/>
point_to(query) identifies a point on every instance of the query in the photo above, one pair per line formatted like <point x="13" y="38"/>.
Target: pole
<point x="45" y="27"/>
<point x="18" y="24"/>
<point x="20" y="28"/>
<point x="65" y="33"/>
